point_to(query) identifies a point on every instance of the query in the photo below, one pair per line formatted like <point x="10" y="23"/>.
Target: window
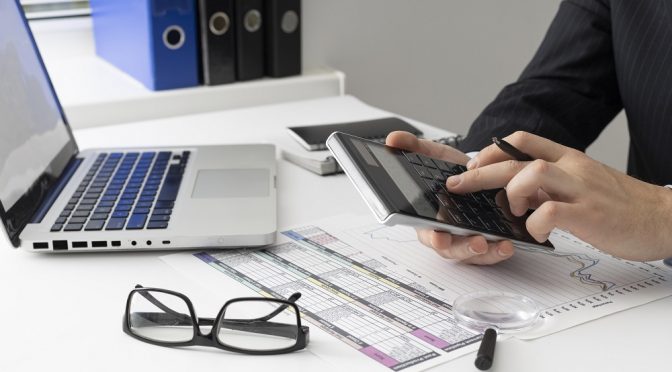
<point x="41" y="9"/>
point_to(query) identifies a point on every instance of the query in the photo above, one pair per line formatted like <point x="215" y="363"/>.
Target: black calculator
<point x="405" y="188"/>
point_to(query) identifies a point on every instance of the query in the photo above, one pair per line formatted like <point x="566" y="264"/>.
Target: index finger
<point x="409" y="142"/>
<point x="531" y="144"/>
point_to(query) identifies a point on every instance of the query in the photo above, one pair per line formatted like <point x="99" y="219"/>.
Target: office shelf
<point x="95" y="93"/>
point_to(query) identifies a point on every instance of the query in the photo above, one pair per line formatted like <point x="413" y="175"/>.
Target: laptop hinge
<point x="56" y="189"/>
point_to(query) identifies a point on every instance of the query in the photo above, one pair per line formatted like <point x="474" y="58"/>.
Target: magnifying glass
<point x="494" y="312"/>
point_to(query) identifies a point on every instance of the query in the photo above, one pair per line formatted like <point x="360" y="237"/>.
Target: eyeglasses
<point x="167" y="318"/>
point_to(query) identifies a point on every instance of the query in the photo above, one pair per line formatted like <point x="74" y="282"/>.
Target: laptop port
<point x="59" y="245"/>
<point x="80" y="244"/>
<point x="149" y="242"/>
<point x="166" y="242"/>
<point x="99" y="244"/>
<point x="116" y="243"/>
<point x="41" y="245"/>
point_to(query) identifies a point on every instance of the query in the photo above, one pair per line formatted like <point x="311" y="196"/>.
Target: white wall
<point x="439" y="61"/>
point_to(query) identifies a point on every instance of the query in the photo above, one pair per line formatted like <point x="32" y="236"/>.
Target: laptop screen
<point x="35" y="142"/>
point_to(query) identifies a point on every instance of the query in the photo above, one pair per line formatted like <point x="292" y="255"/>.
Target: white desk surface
<point x="64" y="312"/>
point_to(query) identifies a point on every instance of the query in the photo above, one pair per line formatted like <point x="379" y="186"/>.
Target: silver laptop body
<point x="226" y="197"/>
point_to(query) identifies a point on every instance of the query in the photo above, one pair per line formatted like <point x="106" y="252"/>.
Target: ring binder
<point x="249" y="24"/>
<point x="155" y="41"/>
<point x="283" y="37"/>
<point x="218" y="42"/>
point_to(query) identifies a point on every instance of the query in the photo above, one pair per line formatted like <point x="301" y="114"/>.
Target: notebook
<point x="314" y="137"/>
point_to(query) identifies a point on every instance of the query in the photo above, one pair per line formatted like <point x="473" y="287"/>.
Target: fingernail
<point x="473" y="163"/>
<point x="453" y="181"/>
<point x="502" y="253"/>
<point x="473" y="251"/>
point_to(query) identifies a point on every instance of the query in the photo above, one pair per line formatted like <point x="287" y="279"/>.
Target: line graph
<point x="584" y="263"/>
<point x="386" y="233"/>
<point x="573" y="271"/>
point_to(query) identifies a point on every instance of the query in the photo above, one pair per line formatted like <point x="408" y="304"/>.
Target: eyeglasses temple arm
<point x="157" y="303"/>
<point x="293" y="298"/>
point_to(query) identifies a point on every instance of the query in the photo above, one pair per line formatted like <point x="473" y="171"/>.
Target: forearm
<point x="568" y="92"/>
<point x="658" y="228"/>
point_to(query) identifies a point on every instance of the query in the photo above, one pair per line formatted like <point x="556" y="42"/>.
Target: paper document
<point x="379" y="291"/>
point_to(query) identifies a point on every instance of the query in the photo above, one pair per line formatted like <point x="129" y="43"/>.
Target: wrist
<point x="665" y="220"/>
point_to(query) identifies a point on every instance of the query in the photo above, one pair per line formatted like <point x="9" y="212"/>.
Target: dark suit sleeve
<point x="568" y="92"/>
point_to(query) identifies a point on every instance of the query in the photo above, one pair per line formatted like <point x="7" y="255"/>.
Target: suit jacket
<point x="598" y="57"/>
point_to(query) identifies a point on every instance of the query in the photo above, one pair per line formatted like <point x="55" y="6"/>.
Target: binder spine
<point x="174" y="43"/>
<point x="154" y="41"/>
<point x="249" y="24"/>
<point x="283" y="37"/>
<point x="218" y="54"/>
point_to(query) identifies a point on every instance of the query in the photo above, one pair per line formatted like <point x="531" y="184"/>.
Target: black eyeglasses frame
<point x="210" y="339"/>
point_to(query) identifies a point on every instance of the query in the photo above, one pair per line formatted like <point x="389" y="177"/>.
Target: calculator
<point x="406" y="188"/>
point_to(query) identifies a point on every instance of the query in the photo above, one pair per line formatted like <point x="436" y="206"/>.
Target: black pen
<point x="486" y="352"/>
<point x="511" y="150"/>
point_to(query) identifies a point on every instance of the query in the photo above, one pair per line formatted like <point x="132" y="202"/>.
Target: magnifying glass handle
<point x="486" y="352"/>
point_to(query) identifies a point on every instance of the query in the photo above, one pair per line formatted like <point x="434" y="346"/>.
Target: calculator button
<point x="443" y="165"/>
<point x="443" y="199"/>
<point x="457" y="218"/>
<point x="427" y="162"/>
<point x="413" y="158"/>
<point x="438" y="176"/>
<point x="423" y="172"/>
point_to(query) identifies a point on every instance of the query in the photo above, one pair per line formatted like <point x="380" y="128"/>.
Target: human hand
<point x="470" y="249"/>
<point x="612" y="211"/>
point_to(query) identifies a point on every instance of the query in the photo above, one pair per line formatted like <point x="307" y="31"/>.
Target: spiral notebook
<point x="314" y="137"/>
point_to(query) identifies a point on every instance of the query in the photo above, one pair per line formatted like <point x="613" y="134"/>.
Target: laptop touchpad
<point x="231" y="183"/>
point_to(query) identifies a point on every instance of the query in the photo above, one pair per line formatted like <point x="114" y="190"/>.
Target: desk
<point x="63" y="312"/>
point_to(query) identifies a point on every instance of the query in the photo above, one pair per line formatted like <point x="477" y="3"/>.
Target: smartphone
<point x="405" y="188"/>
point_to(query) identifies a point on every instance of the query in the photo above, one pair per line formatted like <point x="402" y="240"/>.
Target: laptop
<point x="55" y="198"/>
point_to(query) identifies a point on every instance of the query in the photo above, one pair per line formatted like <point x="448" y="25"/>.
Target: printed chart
<point x="381" y="292"/>
<point x="383" y="316"/>
<point x="572" y="276"/>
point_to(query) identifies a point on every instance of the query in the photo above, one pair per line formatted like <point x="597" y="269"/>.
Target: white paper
<point x="389" y="298"/>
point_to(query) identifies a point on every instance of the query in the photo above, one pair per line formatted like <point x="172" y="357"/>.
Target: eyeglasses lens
<point x="258" y="325"/>
<point x="160" y="317"/>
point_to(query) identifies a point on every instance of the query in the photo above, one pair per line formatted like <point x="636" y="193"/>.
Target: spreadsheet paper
<point x="388" y="298"/>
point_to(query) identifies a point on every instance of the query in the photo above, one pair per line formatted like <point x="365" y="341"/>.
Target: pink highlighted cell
<point x="379" y="356"/>
<point x="430" y="338"/>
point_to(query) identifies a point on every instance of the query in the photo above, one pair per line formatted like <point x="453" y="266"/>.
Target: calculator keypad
<point x="479" y="210"/>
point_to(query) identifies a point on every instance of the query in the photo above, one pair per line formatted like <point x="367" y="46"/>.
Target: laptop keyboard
<point x="131" y="191"/>
<point x="478" y="210"/>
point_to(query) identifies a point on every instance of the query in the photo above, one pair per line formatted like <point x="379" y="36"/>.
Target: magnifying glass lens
<point x="506" y="312"/>
<point x="491" y="312"/>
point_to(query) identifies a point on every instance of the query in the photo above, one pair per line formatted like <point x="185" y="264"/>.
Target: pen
<point x="511" y="150"/>
<point x="486" y="352"/>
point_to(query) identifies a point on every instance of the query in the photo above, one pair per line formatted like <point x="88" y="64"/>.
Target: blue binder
<point x="155" y="41"/>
